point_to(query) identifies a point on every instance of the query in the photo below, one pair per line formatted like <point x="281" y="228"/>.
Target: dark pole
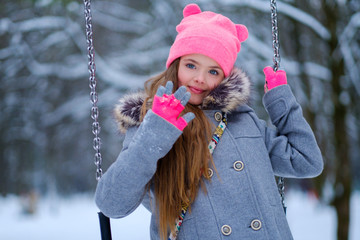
<point x="104" y="226"/>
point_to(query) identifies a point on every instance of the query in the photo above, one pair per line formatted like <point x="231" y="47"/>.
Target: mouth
<point x="195" y="90"/>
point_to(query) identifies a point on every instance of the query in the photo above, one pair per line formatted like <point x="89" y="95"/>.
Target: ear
<point x="191" y="9"/>
<point x="242" y="32"/>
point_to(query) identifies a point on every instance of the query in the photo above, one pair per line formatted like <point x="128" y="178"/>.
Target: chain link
<point x="281" y="188"/>
<point x="275" y="35"/>
<point x="92" y="84"/>
<point x="276" y="60"/>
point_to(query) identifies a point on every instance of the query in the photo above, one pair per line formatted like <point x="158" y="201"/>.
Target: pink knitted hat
<point x="208" y="33"/>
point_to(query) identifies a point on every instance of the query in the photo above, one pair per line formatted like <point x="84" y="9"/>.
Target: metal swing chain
<point x="281" y="188"/>
<point x="92" y="84"/>
<point x="276" y="60"/>
<point x="275" y="35"/>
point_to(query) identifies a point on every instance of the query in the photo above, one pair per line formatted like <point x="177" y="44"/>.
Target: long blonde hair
<point x="179" y="174"/>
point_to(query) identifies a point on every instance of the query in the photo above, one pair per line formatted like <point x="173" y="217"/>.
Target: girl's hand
<point x="169" y="106"/>
<point x="274" y="79"/>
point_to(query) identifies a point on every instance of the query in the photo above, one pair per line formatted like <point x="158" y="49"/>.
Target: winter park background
<point x="47" y="173"/>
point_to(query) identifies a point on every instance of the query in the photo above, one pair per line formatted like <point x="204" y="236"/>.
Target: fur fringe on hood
<point x="232" y="92"/>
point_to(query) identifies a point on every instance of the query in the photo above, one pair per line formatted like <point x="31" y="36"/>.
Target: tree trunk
<point x="343" y="180"/>
<point x="343" y="168"/>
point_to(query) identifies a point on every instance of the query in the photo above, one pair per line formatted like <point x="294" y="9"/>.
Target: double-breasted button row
<point x="226" y="230"/>
<point x="255" y="224"/>
<point x="238" y="166"/>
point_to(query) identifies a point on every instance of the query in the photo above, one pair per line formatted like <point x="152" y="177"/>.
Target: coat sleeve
<point x="292" y="146"/>
<point x="122" y="188"/>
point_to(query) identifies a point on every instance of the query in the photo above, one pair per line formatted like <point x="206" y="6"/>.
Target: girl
<point x="167" y="163"/>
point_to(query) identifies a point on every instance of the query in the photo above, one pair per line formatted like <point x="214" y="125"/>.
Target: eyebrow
<point x="196" y="62"/>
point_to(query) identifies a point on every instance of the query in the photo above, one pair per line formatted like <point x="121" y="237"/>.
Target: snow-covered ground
<point x="76" y="218"/>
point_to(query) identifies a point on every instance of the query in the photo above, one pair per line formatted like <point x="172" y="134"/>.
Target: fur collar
<point x="232" y="92"/>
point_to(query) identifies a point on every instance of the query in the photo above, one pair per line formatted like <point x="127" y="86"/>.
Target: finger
<point x="185" y="98"/>
<point x="268" y="71"/>
<point x="180" y="92"/>
<point x="281" y="74"/>
<point x="160" y="92"/>
<point x="281" y="77"/>
<point x="188" y="116"/>
<point x="169" y="88"/>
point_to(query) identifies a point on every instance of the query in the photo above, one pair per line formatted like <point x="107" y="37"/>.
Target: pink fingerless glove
<point x="169" y="108"/>
<point x="274" y="79"/>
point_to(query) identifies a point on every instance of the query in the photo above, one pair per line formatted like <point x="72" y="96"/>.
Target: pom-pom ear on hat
<point x="191" y="9"/>
<point x="242" y="32"/>
<point x="210" y="34"/>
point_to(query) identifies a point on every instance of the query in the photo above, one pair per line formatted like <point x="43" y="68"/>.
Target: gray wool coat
<point x="242" y="200"/>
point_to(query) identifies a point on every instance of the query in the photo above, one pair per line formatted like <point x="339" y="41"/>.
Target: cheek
<point x="180" y="83"/>
<point x="181" y="78"/>
<point x="215" y="83"/>
<point x="184" y="78"/>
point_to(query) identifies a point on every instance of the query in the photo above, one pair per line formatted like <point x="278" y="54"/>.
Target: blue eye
<point x="189" y="65"/>
<point x="213" y="72"/>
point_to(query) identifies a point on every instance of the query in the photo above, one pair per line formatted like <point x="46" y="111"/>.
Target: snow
<point x="41" y="23"/>
<point x="76" y="218"/>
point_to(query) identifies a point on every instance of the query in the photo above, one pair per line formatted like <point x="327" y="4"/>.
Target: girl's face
<point x="199" y="74"/>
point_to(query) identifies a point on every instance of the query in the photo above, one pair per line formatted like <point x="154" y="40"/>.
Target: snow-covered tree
<point x="46" y="139"/>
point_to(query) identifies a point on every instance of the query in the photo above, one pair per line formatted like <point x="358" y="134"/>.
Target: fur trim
<point x="232" y="92"/>
<point x="127" y="111"/>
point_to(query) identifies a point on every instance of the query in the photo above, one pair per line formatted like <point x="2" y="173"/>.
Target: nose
<point x="200" y="78"/>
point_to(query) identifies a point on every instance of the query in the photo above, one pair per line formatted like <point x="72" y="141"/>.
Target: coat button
<point x="238" y="165"/>
<point x="255" y="224"/>
<point x="218" y="116"/>
<point x="226" y="230"/>
<point x="210" y="172"/>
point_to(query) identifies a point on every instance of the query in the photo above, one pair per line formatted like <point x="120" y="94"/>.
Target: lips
<point x="196" y="90"/>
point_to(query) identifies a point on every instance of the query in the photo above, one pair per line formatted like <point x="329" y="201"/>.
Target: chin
<point x="196" y="101"/>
